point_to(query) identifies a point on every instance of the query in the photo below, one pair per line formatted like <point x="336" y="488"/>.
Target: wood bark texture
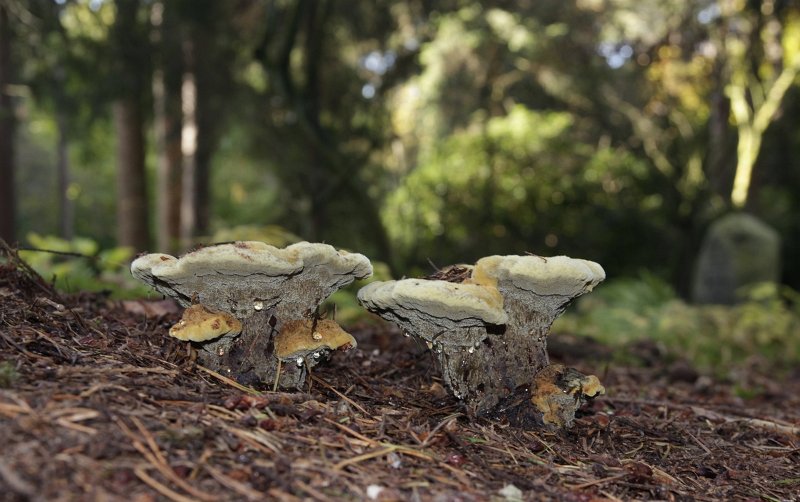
<point x="131" y="190"/>
<point x="7" y="198"/>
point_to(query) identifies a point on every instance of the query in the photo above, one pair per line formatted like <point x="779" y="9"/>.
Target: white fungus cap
<point x="436" y="299"/>
<point x="557" y="275"/>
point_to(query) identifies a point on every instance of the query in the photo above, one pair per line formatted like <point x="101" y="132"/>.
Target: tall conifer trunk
<point x="130" y="46"/>
<point x="189" y="147"/>
<point x="167" y="125"/>
<point x="7" y="199"/>
<point x="131" y="190"/>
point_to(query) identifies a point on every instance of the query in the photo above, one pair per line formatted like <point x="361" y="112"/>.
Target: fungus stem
<point x="277" y="377"/>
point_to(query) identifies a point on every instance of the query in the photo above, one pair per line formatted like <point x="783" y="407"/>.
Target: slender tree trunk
<point x="309" y="107"/>
<point x="131" y="191"/>
<point x="332" y="181"/>
<point x="167" y="125"/>
<point x="202" y="188"/>
<point x="752" y="117"/>
<point x="129" y="43"/>
<point x="66" y="207"/>
<point x="206" y="133"/>
<point x="189" y="148"/>
<point x="719" y="170"/>
<point x="746" y="154"/>
<point x="7" y="198"/>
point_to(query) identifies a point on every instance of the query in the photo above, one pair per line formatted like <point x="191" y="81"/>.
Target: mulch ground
<point x="97" y="403"/>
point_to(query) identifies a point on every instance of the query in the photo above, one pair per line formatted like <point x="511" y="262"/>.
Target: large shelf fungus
<point x="488" y="323"/>
<point x="262" y="287"/>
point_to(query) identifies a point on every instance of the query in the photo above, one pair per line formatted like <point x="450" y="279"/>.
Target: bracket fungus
<point x="557" y="392"/>
<point x="200" y="324"/>
<point x="262" y="287"/>
<point x="488" y="326"/>
<point x="306" y="340"/>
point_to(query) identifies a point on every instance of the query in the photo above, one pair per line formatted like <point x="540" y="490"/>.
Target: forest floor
<point x="97" y="403"/>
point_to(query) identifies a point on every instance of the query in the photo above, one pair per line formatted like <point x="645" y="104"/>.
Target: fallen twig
<point x="240" y="488"/>
<point x="388" y="447"/>
<point x="15" y="482"/>
<point x="441" y="424"/>
<point x="153" y="454"/>
<point x="268" y="443"/>
<point x="159" y="487"/>
<point x="313" y="492"/>
<point x="229" y="381"/>
<point x="755" y="422"/>
<point x="329" y="387"/>
<point x="598" y="481"/>
<point x="365" y="456"/>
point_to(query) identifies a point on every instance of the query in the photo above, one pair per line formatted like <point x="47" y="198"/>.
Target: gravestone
<point x="739" y="250"/>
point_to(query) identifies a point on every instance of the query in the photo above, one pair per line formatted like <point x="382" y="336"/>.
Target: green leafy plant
<point x="273" y="235"/>
<point x="8" y="374"/>
<point x="717" y="338"/>
<point x="344" y="301"/>
<point x="80" y="265"/>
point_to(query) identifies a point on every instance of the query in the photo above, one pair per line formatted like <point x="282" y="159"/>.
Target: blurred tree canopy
<point x="416" y="132"/>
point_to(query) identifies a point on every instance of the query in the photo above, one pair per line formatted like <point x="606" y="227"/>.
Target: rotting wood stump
<point x="272" y="295"/>
<point x="488" y="326"/>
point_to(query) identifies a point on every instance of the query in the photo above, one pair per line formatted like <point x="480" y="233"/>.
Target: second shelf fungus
<point x="558" y="391"/>
<point x="201" y="324"/>
<point x="306" y="341"/>
<point x="488" y="323"/>
<point x="261" y="287"/>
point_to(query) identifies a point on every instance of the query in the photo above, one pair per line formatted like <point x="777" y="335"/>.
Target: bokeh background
<point x="422" y="134"/>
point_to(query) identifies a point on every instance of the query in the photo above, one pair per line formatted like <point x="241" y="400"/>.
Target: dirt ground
<point x="97" y="403"/>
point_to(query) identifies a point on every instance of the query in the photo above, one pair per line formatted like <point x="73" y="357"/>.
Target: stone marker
<point x="738" y="250"/>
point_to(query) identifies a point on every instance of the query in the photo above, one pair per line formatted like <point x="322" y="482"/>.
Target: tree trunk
<point x="200" y="131"/>
<point x="719" y="170"/>
<point x="202" y="176"/>
<point x="129" y="44"/>
<point x="66" y="207"/>
<point x="7" y="199"/>
<point x="131" y="189"/>
<point x="168" y="172"/>
<point x="205" y="120"/>
<point x="189" y="148"/>
<point x="331" y="179"/>
<point x="167" y="125"/>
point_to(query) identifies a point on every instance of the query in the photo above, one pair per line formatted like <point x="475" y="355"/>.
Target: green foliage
<point x="273" y="235"/>
<point x="80" y="265"/>
<point x="639" y="294"/>
<point x="594" y="129"/>
<point x="36" y="182"/>
<point x="519" y="182"/>
<point x="765" y="328"/>
<point x="244" y="192"/>
<point x="345" y="303"/>
<point x="8" y="374"/>
<point x="92" y="173"/>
